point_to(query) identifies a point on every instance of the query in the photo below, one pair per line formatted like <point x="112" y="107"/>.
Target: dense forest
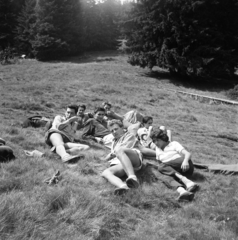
<point x="187" y="37"/>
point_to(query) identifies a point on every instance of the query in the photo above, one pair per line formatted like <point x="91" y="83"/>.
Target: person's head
<point x="99" y="113"/>
<point x="159" y="138"/>
<point x="71" y="111"/>
<point x="116" y="128"/>
<point x="81" y="110"/>
<point x="147" y="121"/>
<point x="107" y="106"/>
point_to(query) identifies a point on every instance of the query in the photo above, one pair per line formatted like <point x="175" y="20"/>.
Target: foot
<point x="186" y="196"/>
<point x="132" y="182"/>
<point x="121" y="191"/>
<point x="192" y="187"/>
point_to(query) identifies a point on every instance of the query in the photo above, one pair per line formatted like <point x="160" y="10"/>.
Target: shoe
<point x="186" y="196"/>
<point x="120" y="191"/>
<point x="132" y="182"/>
<point x="193" y="188"/>
<point x="69" y="157"/>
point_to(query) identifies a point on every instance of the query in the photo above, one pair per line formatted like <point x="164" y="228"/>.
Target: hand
<point x="185" y="166"/>
<point x="99" y="140"/>
<point x="75" y="119"/>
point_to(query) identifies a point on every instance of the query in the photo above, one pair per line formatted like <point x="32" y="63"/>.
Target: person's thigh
<point x="133" y="156"/>
<point x="117" y="170"/>
<point x="177" y="163"/>
<point x="56" y="139"/>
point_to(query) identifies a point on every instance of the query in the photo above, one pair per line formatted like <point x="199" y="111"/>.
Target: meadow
<point x="82" y="205"/>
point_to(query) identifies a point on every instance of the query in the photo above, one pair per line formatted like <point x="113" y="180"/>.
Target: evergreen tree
<point x="26" y="27"/>
<point x="188" y="37"/>
<point x="9" y="10"/>
<point x="57" y="28"/>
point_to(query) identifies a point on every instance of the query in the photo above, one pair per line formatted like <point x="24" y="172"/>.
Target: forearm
<point x="63" y="124"/>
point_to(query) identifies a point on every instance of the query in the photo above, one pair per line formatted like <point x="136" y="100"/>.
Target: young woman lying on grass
<point x="175" y="161"/>
<point x="62" y="133"/>
<point x="145" y="132"/>
<point x="125" y="158"/>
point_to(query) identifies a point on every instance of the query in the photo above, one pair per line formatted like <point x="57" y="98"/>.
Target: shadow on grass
<point x="199" y="84"/>
<point x="96" y="56"/>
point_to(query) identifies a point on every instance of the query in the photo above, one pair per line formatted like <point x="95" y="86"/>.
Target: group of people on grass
<point x="131" y="138"/>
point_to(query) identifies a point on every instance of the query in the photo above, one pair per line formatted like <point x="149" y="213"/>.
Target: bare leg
<point x="113" y="174"/>
<point x="75" y="148"/>
<point x="129" y="159"/>
<point x="57" y="141"/>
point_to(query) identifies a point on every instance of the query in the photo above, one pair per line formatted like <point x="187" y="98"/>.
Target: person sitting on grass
<point x="96" y="128"/>
<point x="109" y="115"/>
<point x="175" y="161"/>
<point x="125" y="158"/>
<point x="145" y="132"/>
<point x="62" y="133"/>
<point x="84" y="116"/>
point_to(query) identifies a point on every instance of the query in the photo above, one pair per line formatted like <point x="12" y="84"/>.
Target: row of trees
<point x="188" y="37"/>
<point x="52" y="28"/>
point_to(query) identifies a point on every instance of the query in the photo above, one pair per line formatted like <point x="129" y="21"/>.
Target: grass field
<point x="82" y="205"/>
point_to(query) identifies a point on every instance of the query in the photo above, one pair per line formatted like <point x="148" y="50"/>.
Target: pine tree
<point x="188" y="37"/>
<point x="26" y="27"/>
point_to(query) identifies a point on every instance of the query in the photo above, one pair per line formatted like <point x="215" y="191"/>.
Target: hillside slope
<point x="82" y="204"/>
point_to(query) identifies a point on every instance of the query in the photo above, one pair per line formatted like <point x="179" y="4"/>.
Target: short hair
<point x="106" y="103"/>
<point x="73" y="106"/>
<point x="146" y="119"/>
<point x="99" y="109"/>
<point x="159" y="134"/>
<point x="82" y="106"/>
<point x="115" y="121"/>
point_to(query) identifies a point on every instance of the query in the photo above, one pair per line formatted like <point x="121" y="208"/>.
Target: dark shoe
<point x="193" y="188"/>
<point x="186" y="196"/>
<point x="120" y="191"/>
<point x="132" y="182"/>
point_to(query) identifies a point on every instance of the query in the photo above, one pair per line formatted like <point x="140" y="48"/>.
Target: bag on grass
<point x="35" y="121"/>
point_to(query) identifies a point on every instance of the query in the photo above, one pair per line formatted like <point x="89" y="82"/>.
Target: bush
<point x="233" y="93"/>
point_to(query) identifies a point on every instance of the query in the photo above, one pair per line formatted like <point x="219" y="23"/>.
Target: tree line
<point x="197" y="38"/>
<point x="49" y="29"/>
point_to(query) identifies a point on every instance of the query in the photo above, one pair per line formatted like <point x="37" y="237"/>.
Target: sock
<point x="181" y="190"/>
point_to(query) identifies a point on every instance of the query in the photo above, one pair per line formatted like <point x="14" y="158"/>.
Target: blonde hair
<point x="115" y="121"/>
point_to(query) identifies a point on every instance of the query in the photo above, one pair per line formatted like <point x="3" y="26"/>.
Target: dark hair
<point x="107" y="103"/>
<point x="99" y="109"/>
<point x="73" y="106"/>
<point x="82" y="106"/>
<point x="159" y="134"/>
<point x="115" y="121"/>
<point x="146" y="119"/>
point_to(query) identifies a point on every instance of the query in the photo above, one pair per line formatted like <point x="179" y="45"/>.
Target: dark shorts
<point x="49" y="132"/>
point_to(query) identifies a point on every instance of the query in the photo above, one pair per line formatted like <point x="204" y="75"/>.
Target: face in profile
<point x="148" y="124"/>
<point x="99" y="115"/>
<point x="107" y="107"/>
<point x="69" y="113"/>
<point x="116" y="130"/>
<point x="159" y="143"/>
<point x="81" y="111"/>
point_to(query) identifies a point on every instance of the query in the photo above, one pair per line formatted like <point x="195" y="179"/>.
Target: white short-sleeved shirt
<point x="171" y="152"/>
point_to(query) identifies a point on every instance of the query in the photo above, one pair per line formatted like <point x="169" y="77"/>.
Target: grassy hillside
<point x="82" y="205"/>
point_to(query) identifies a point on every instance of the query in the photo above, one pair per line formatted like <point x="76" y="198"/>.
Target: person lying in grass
<point x="109" y="114"/>
<point x="125" y="158"/>
<point x="62" y="134"/>
<point x="145" y="132"/>
<point x="96" y="128"/>
<point x="175" y="161"/>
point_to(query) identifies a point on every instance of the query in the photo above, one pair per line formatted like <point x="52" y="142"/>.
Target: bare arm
<point x="187" y="157"/>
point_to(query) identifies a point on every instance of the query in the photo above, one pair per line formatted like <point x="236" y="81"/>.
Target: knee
<point x="86" y="147"/>
<point x="106" y="173"/>
<point x="120" y="151"/>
